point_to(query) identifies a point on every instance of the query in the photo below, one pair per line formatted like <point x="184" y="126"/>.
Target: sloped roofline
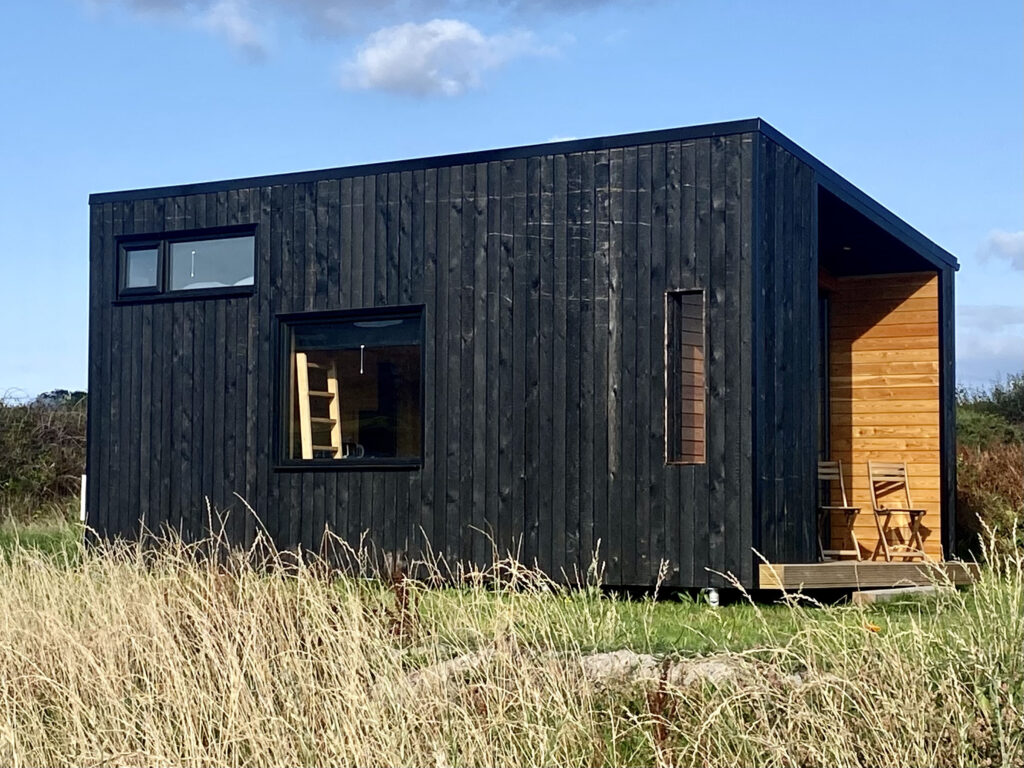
<point x="825" y="176"/>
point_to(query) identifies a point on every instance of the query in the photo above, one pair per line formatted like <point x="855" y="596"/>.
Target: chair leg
<point x="850" y="517"/>
<point x="821" y="545"/>
<point x="883" y="541"/>
<point x="915" y="534"/>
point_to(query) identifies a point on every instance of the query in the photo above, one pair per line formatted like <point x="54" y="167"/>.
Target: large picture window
<point x="213" y="262"/>
<point x="354" y="390"/>
<point x="684" y="377"/>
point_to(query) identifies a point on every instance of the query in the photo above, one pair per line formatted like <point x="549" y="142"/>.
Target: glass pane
<point x="355" y="390"/>
<point x="140" y="268"/>
<point x="220" y="263"/>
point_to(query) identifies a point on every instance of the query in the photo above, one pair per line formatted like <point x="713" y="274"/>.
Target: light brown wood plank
<point x="850" y="574"/>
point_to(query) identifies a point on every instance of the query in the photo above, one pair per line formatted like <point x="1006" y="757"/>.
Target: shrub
<point x="42" y="452"/>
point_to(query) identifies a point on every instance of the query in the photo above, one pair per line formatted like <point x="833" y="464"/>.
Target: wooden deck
<point x="850" y="574"/>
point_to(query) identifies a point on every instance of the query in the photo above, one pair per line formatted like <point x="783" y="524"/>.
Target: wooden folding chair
<point x="886" y="478"/>
<point x="830" y="472"/>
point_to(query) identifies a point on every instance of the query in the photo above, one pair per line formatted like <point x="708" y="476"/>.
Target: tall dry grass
<point x="129" y="656"/>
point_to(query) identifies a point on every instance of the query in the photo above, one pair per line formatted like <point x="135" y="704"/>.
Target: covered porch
<point x="884" y="396"/>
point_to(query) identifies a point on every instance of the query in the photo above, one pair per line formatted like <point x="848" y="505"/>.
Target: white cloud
<point x="232" y="20"/>
<point x="562" y="138"/>
<point x="1001" y="244"/>
<point x="441" y="56"/>
<point x="989" y="342"/>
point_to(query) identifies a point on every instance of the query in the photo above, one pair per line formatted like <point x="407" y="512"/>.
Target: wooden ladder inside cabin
<point x="308" y="396"/>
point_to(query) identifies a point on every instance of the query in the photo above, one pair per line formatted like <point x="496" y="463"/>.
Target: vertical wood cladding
<point x="785" y="357"/>
<point x="884" y="392"/>
<point x="544" y="283"/>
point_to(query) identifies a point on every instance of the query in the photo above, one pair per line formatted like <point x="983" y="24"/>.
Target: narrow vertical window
<point x="684" y="377"/>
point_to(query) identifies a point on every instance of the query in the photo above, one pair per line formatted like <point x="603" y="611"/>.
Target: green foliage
<point x="993" y="415"/>
<point x="42" y="454"/>
<point x="990" y="466"/>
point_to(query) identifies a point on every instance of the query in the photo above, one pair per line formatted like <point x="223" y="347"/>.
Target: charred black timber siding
<point x="542" y="272"/>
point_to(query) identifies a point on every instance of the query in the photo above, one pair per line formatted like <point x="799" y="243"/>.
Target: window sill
<point x="348" y="465"/>
<point x="230" y="292"/>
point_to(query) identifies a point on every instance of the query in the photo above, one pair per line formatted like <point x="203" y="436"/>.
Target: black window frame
<point x="283" y="324"/>
<point x="126" y="247"/>
<point x="162" y="241"/>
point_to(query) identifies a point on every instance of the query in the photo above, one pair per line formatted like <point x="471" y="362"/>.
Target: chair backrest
<point x="830" y="472"/>
<point x="886" y="477"/>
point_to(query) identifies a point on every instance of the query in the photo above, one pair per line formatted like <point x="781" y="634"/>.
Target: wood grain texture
<point x="886" y="409"/>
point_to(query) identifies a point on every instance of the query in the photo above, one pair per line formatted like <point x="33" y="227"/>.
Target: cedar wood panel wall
<point x="884" y="361"/>
<point x="543" y="280"/>
<point x="786" y="357"/>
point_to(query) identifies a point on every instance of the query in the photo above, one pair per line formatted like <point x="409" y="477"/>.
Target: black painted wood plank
<point x="599" y="192"/>
<point x="128" y="399"/>
<point x="466" y="343"/>
<point x="321" y="241"/>
<point x="531" y="354"/>
<point x="507" y="283"/>
<point x="520" y="310"/>
<point x="662" y="533"/>
<point x="570" y="352"/>
<point x="614" y="406"/>
<point x="589" y="481"/>
<point x="453" y="484"/>
<point x="101" y="279"/>
<point x="431" y="379"/>
<point x="478" y="436"/>
<point x="736" y="393"/>
<point x="354" y="285"/>
<point x="110" y="434"/>
<point x="547" y="535"/>
<point x="628" y="425"/>
<point x="718" y="359"/>
<point x="491" y="383"/>
<point x="565" y="527"/>
<point x="747" y="372"/>
<point x="440" y="366"/>
<point x="783" y="354"/>
<point x="647" y="526"/>
<point x="947" y="411"/>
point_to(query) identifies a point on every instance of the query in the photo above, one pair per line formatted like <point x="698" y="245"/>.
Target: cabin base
<point x="850" y="574"/>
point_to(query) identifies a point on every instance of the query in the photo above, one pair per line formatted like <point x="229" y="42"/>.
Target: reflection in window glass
<point x="219" y="263"/>
<point x="140" y="267"/>
<point x="355" y="389"/>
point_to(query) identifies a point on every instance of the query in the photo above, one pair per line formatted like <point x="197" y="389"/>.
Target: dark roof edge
<point x="704" y="131"/>
<point x="828" y="178"/>
<point x="863" y="203"/>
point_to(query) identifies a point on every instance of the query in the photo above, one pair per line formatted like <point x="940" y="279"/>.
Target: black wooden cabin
<point x="619" y="344"/>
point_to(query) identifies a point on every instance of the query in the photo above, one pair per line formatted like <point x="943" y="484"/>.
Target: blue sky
<point x="921" y="104"/>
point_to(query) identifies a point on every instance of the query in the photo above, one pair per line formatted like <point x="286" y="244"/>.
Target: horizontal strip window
<point x="352" y="394"/>
<point x="195" y="264"/>
<point x="685" y="398"/>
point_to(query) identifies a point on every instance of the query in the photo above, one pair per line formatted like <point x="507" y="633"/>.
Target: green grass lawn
<point x="49" y="536"/>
